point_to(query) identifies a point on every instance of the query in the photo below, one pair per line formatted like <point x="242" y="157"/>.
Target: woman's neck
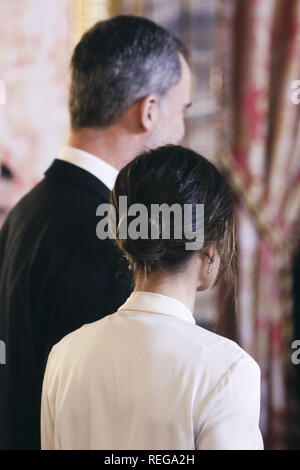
<point x="181" y="287"/>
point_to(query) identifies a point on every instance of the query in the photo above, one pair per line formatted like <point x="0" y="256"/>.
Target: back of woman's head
<point x="176" y="175"/>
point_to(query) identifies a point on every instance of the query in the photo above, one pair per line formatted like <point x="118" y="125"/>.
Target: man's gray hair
<point x="118" y="62"/>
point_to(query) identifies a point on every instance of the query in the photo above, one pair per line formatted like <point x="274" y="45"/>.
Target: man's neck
<point x="111" y="145"/>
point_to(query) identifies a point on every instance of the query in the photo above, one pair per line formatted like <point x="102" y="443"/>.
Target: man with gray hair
<point x="130" y="86"/>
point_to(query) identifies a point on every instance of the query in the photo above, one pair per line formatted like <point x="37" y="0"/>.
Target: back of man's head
<point x="118" y="62"/>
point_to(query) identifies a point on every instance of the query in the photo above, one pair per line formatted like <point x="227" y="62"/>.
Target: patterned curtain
<point x="258" y="51"/>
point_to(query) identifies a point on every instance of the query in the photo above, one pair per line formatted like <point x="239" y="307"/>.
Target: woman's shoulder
<point x="83" y="336"/>
<point x="218" y="353"/>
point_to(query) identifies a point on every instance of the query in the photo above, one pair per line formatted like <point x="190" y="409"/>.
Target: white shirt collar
<point x="89" y="162"/>
<point x="156" y="303"/>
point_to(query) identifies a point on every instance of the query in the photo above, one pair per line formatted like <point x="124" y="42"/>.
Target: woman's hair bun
<point x="173" y="175"/>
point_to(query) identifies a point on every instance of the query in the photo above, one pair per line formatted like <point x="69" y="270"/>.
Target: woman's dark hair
<point x="116" y="63"/>
<point x="173" y="174"/>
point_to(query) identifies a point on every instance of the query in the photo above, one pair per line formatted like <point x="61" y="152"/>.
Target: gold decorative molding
<point x="87" y="12"/>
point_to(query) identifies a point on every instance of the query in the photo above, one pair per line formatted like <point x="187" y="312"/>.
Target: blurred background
<point x="245" y="118"/>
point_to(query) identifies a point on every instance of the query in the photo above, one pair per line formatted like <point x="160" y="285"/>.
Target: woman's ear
<point x="209" y="268"/>
<point x="149" y="112"/>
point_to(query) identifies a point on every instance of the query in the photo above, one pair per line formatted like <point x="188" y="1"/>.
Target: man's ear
<point x="149" y="112"/>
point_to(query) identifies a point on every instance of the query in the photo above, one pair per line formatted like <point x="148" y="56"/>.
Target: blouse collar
<point x="156" y="303"/>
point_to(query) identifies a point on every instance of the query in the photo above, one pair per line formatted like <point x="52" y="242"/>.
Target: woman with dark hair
<point x="147" y="377"/>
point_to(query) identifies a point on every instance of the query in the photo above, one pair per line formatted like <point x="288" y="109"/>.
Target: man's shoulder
<point x="72" y="187"/>
<point x="58" y="223"/>
<point x="57" y="205"/>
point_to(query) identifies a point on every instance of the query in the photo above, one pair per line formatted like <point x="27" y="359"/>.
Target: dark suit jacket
<point x="55" y="276"/>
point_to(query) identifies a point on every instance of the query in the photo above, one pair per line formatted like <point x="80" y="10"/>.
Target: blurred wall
<point x="35" y="47"/>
